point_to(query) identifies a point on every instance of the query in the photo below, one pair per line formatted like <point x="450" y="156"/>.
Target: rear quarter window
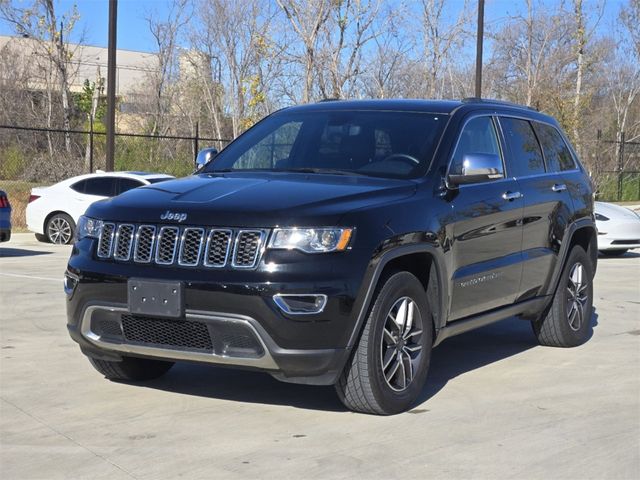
<point x="556" y="151"/>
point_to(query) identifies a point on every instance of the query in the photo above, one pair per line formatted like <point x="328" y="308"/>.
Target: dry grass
<point x="18" y="192"/>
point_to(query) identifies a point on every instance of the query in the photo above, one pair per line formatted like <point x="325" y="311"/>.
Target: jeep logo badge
<point x="169" y="215"/>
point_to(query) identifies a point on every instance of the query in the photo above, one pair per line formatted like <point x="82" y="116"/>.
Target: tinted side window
<point x="477" y="136"/>
<point x="526" y="156"/>
<point x="80" y="186"/>
<point x="103" y="186"/>
<point x="555" y="149"/>
<point x="125" y="184"/>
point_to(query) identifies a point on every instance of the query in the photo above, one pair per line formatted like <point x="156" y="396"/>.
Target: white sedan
<point x="618" y="229"/>
<point x="53" y="212"/>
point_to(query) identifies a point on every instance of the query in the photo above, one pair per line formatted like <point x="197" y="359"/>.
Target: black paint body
<point x="491" y="258"/>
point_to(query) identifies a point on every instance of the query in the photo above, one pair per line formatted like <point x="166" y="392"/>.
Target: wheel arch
<point x="51" y="214"/>
<point x="422" y="260"/>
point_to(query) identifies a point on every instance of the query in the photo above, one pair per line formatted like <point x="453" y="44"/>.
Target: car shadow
<point x="628" y="254"/>
<point x="454" y="357"/>
<point x="20" y="252"/>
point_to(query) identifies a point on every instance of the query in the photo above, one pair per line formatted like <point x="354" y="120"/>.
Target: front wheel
<point x="568" y="321"/>
<point x="388" y="367"/>
<point x="60" y="229"/>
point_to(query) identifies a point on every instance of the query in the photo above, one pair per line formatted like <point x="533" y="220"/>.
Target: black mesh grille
<point x="106" y="239"/>
<point x="124" y="241"/>
<point x="218" y="248"/>
<point x="167" y="243"/>
<point x="247" y="248"/>
<point x="110" y="328"/>
<point x="191" y="246"/>
<point x="178" y="334"/>
<point x="144" y="243"/>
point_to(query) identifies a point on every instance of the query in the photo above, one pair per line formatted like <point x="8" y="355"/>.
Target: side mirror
<point x="478" y="168"/>
<point x="205" y="156"/>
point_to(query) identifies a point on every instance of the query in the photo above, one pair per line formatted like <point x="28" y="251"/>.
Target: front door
<point x="485" y="230"/>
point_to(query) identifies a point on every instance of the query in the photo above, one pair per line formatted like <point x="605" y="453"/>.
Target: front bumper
<point x="619" y="236"/>
<point x="297" y="348"/>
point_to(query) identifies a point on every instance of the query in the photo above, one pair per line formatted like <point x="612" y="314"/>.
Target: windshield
<point x="378" y="143"/>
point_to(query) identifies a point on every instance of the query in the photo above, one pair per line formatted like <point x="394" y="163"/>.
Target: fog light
<point x="70" y="283"/>
<point x="300" y="304"/>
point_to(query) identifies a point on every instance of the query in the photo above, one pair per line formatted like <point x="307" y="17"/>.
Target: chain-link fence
<point x="31" y="157"/>
<point x="615" y="168"/>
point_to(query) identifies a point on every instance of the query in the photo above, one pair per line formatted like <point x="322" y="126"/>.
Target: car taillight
<point x="33" y="197"/>
<point x="4" y="202"/>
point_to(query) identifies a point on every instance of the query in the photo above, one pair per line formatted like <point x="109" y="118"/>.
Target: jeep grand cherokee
<point x="338" y="243"/>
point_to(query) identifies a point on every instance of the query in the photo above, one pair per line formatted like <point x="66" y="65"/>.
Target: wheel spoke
<point x="408" y="367"/>
<point x="396" y="365"/>
<point x="414" y="333"/>
<point x="401" y="316"/>
<point x="402" y="372"/>
<point x="408" y="324"/>
<point x="413" y="348"/>
<point x="388" y="358"/>
<point x="388" y="337"/>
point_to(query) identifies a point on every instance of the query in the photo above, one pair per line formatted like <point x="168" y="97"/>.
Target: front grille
<point x="182" y="246"/>
<point x="247" y="245"/>
<point x="124" y="242"/>
<point x="179" y="334"/>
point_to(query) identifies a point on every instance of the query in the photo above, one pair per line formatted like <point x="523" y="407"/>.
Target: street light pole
<point x="111" y="84"/>
<point x="479" y="40"/>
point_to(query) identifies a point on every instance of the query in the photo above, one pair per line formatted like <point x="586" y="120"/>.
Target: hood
<point x="614" y="212"/>
<point x="251" y="199"/>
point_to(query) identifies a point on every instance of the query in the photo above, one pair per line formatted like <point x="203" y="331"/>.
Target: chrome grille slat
<point x="145" y="240"/>
<point x="166" y="245"/>
<point x="218" y="247"/>
<point x="123" y="242"/>
<point x="191" y="247"/>
<point x="183" y="246"/>
<point x="105" y="242"/>
<point x="247" y="248"/>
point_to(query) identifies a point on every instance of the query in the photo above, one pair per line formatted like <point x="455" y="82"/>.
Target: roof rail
<point x="496" y="102"/>
<point x="329" y="100"/>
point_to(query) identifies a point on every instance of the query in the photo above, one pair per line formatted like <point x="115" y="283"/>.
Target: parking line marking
<point x="31" y="277"/>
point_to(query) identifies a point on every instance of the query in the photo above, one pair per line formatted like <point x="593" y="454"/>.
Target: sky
<point x="133" y="31"/>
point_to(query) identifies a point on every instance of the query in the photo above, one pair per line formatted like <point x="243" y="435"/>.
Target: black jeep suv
<point x="337" y="243"/>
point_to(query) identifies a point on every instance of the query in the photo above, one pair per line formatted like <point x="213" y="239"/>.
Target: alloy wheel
<point x="59" y="231"/>
<point x="401" y="344"/>
<point x="577" y="297"/>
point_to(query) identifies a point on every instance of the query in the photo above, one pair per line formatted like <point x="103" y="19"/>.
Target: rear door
<point x="547" y="203"/>
<point x="487" y="234"/>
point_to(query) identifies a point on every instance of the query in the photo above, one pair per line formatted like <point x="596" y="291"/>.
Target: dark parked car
<point x="337" y="243"/>
<point x="5" y="217"/>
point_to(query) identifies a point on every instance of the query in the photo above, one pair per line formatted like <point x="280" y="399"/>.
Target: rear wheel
<point x="131" y="368"/>
<point x="388" y="367"/>
<point x="60" y="229"/>
<point x="568" y="321"/>
<point x="613" y="253"/>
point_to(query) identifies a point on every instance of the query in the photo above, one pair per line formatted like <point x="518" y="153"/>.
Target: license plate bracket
<point x="163" y="298"/>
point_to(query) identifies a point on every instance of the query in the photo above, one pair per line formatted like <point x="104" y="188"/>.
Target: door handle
<point x="559" y="187"/>
<point x="511" y="195"/>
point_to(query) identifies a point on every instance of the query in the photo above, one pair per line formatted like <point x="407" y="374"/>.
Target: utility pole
<point x="479" y="41"/>
<point x="111" y="84"/>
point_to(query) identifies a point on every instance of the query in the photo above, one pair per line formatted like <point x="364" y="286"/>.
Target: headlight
<point x="311" y="240"/>
<point x="601" y="217"/>
<point x="88" y="227"/>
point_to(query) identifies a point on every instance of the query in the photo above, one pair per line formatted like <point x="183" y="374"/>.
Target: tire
<point x="568" y="321"/>
<point x="60" y="229"/>
<point x="42" y="238"/>
<point x="367" y="385"/>
<point x="613" y="253"/>
<point x="131" y="369"/>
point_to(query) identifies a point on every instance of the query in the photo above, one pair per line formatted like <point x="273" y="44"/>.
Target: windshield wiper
<point x="331" y="171"/>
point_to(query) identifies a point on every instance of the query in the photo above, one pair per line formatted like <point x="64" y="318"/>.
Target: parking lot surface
<point x="497" y="405"/>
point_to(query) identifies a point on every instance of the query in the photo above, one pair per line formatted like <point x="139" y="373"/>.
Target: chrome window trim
<point x="230" y="242"/>
<point x="113" y="232"/>
<point x="175" y="244"/>
<point x="265" y="361"/>
<point x="117" y="242"/>
<point x="259" y="250"/>
<point x="136" y="258"/>
<point x="182" y="242"/>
